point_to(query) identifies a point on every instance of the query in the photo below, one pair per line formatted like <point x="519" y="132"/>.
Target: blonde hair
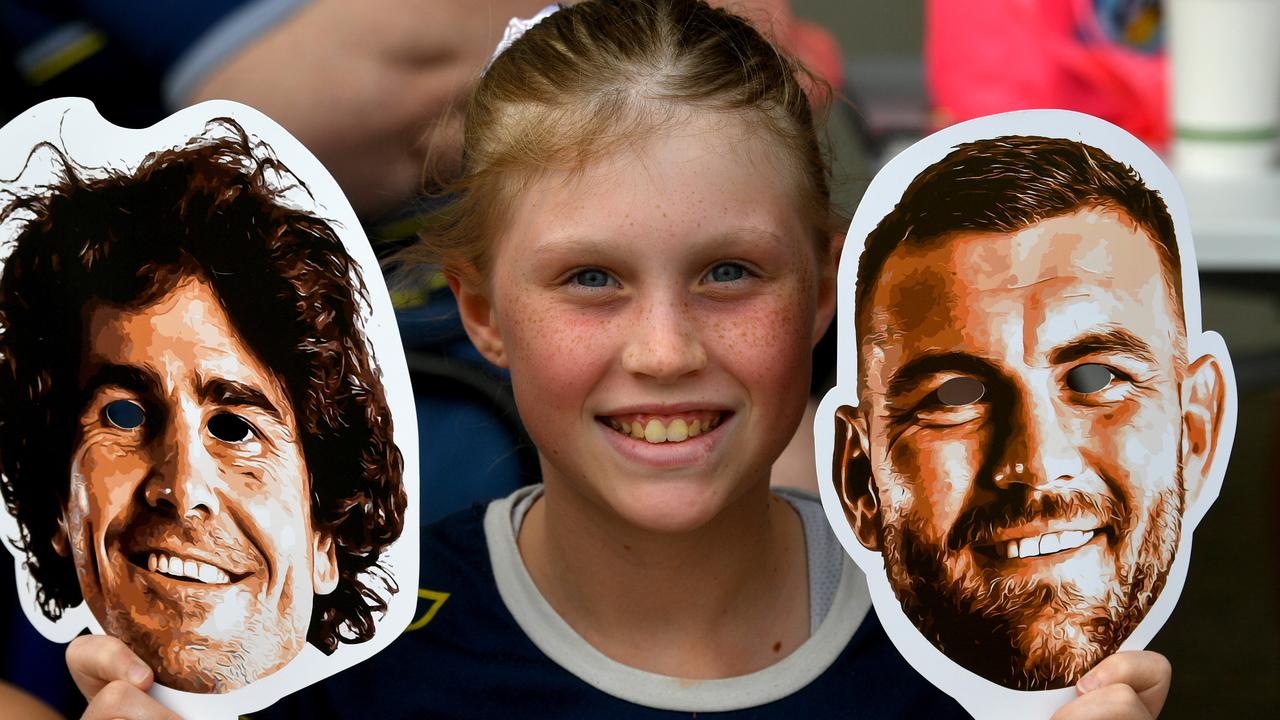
<point x="597" y="75"/>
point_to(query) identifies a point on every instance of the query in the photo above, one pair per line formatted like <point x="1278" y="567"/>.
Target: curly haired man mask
<point x="184" y="347"/>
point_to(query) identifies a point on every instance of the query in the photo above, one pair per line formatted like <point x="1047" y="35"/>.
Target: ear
<point x="1203" y="404"/>
<point x="61" y="541"/>
<point x="476" y="312"/>
<point x="324" y="563"/>
<point x="854" y="483"/>
<point x="826" y="308"/>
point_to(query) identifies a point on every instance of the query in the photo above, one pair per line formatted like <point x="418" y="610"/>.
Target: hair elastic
<point x="516" y="27"/>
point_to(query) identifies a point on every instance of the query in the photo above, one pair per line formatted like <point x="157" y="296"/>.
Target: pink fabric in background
<point x="811" y="44"/>
<point x="989" y="57"/>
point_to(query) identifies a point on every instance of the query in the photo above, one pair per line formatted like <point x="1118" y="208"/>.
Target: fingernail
<point x="138" y="673"/>
<point x="1088" y="683"/>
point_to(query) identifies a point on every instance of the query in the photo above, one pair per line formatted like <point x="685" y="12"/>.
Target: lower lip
<point x="666" y="455"/>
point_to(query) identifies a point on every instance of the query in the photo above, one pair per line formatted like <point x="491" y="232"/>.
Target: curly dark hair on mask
<point x="213" y="209"/>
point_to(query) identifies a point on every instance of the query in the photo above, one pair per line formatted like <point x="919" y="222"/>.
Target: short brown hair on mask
<point x="1007" y="184"/>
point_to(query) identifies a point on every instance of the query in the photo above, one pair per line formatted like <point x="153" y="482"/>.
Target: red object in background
<point x="809" y="43"/>
<point x="989" y="57"/>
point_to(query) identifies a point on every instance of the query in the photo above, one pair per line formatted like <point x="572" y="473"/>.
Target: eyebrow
<point x="906" y="378"/>
<point x="231" y="392"/>
<point x="1113" y="341"/>
<point x="131" y="378"/>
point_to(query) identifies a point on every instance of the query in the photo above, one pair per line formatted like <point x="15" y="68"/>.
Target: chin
<point x="671" y="506"/>
<point x="230" y="666"/>
<point x="193" y="661"/>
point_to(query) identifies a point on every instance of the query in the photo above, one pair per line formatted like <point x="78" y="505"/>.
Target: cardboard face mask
<point x="1029" y="422"/>
<point x="200" y="375"/>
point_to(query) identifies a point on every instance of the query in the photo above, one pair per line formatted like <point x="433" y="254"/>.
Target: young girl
<point x="643" y="238"/>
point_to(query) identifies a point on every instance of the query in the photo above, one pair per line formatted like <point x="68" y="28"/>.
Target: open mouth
<point x="657" y="429"/>
<point x="185" y="569"/>
<point x="1045" y="544"/>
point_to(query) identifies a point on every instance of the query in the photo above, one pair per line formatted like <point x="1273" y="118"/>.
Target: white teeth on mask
<point x="1046" y="544"/>
<point x="191" y="569"/>
<point x="1029" y="547"/>
<point x="210" y="574"/>
<point x="654" y="431"/>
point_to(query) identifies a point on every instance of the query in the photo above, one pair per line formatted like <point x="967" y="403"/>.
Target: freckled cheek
<point x="931" y="474"/>
<point x="766" y="344"/>
<point x="556" y="357"/>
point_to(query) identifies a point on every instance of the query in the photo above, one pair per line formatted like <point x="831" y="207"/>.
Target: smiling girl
<point x="643" y="237"/>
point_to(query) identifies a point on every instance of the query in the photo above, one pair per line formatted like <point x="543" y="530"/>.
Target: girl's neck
<point x="724" y="599"/>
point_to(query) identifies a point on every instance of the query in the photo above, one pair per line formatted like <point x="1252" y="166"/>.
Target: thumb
<point x="1147" y="673"/>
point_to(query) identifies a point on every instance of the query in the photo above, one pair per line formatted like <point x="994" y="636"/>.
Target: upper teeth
<point x="179" y="567"/>
<point x="1046" y="544"/>
<point x="654" y="431"/>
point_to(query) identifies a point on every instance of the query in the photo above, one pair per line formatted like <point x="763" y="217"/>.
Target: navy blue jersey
<point x="465" y="656"/>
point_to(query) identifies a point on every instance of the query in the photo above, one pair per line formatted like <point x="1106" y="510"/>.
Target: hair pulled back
<point x="595" y="76"/>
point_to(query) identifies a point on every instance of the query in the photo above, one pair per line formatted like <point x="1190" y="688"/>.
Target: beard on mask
<point x="1029" y="633"/>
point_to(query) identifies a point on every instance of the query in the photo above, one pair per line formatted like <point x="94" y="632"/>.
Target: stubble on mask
<point x="1027" y="633"/>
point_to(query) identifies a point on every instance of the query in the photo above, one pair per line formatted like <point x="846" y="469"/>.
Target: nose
<point x="665" y="342"/>
<point x="184" y="476"/>
<point x="1041" y="448"/>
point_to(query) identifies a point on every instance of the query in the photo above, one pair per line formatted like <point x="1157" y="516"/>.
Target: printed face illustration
<point x="1018" y="455"/>
<point x="188" y="514"/>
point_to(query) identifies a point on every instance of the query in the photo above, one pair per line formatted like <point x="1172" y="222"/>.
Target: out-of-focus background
<point x="373" y="89"/>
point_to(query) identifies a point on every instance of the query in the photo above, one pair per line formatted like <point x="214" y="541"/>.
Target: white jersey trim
<point x="554" y="637"/>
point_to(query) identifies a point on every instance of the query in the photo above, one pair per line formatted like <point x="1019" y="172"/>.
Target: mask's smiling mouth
<point x="657" y="429"/>
<point x="1039" y="545"/>
<point x="187" y="569"/>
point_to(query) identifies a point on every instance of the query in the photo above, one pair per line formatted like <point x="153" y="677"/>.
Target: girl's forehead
<point x="706" y="169"/>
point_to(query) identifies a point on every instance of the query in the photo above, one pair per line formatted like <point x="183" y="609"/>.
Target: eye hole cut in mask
<point x="1089" y="378"/>
<point x="229" y="428"/>
<point x="125" y="414"/>
<point x="961" y="391"/>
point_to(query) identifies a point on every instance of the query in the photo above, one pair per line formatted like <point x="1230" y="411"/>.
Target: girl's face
<point x="657" y="311"/>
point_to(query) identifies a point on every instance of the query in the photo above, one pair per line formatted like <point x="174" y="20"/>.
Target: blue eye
<point x="1089" y="378"/>
<point x="229" y="428"/>
<point x="125" y="414"/>
<point x="592" y="278"/>
<point x="727" y="272"/>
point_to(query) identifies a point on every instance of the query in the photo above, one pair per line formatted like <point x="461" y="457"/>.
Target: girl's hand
<point x="1125" y="685"/>
<point x="113" y="680"/>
